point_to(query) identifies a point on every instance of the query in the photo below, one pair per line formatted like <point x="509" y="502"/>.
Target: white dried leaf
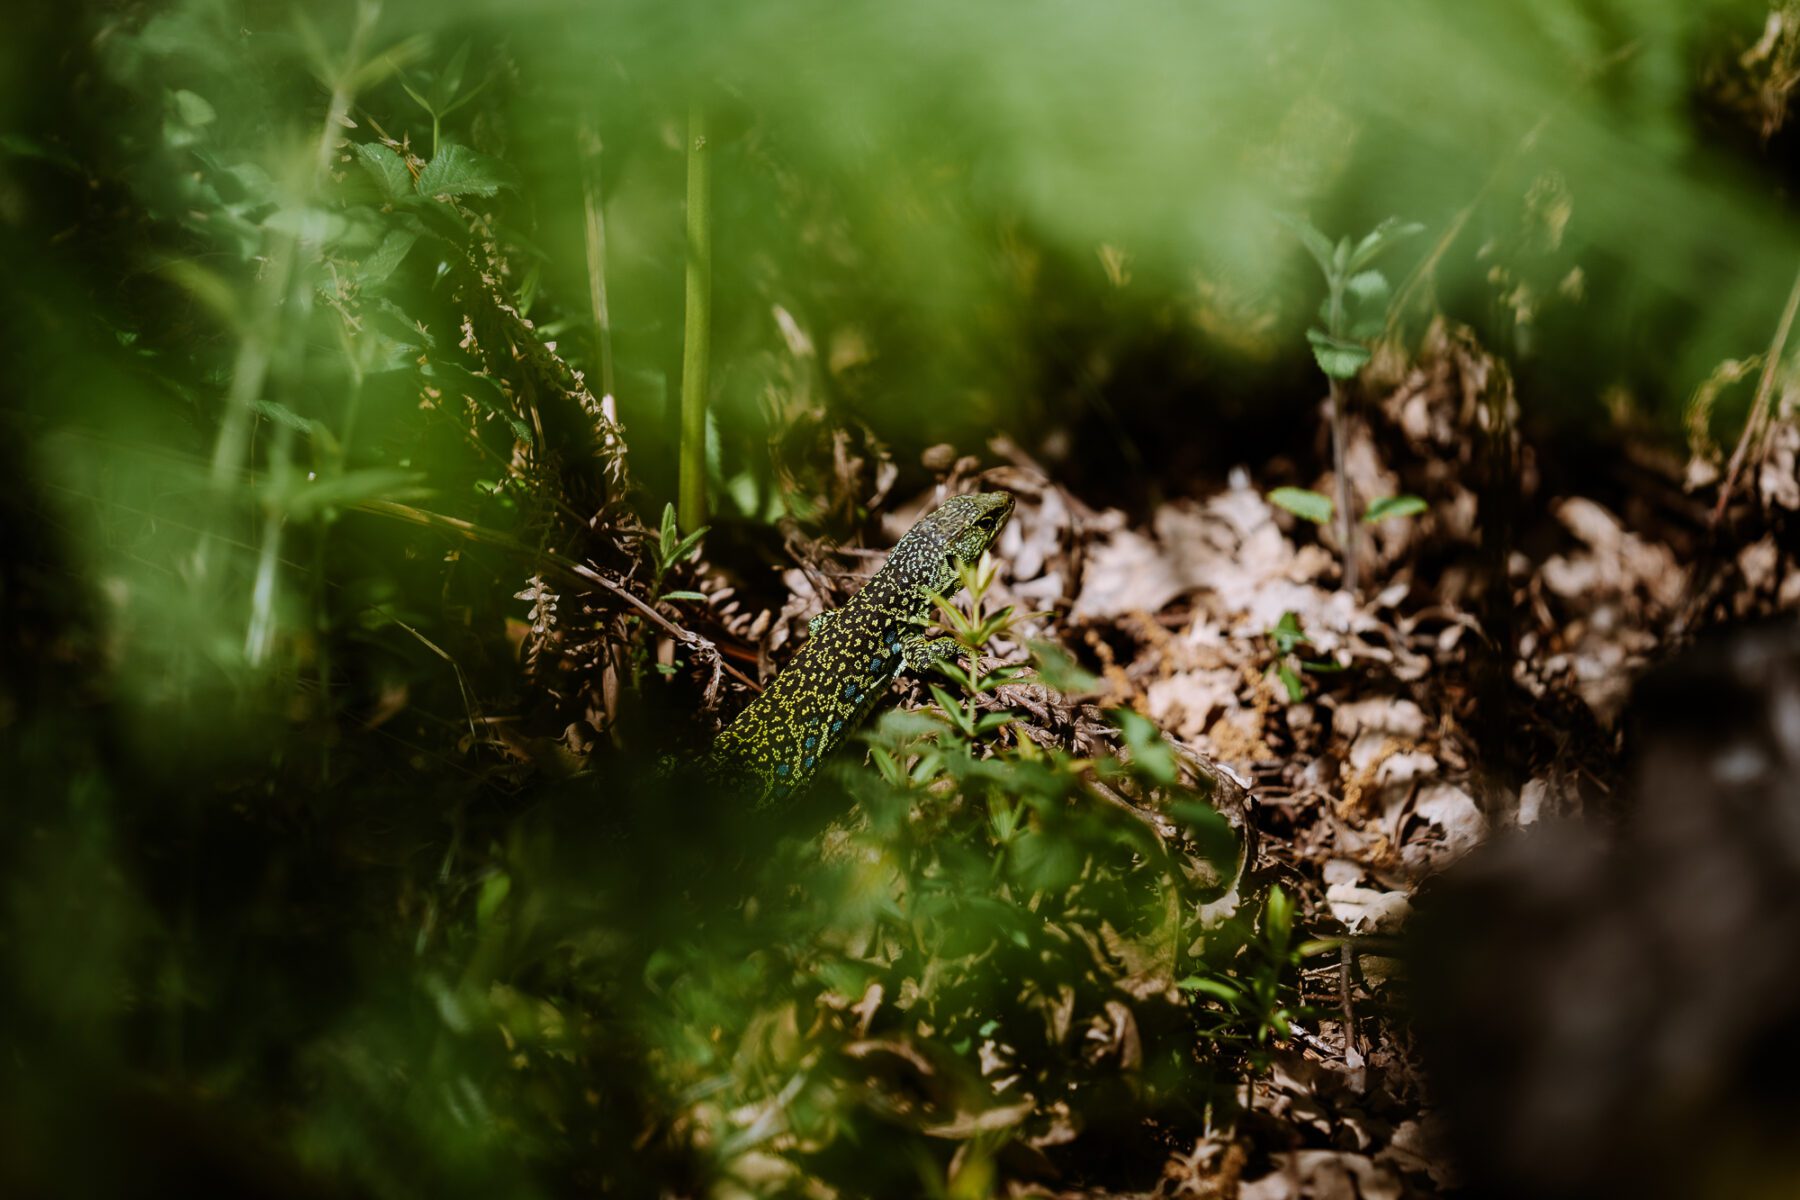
<point x="1324" y="1175"/>
<point x="1366" y="910"/>
<point x="1454" y="813"/>
<point x="1381" y="714"/>
<point x="1187" y="703"/>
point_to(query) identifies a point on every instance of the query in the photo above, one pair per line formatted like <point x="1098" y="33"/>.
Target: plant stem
<point x="596" y="252"/>
<point x="1762" y="406"/>
<point x="696" y="346"/>
<point x="1346" y="526"/>
<point x="974" y="699"/>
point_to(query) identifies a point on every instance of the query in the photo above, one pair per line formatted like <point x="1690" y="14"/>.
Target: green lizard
<point x="854" y="652"/>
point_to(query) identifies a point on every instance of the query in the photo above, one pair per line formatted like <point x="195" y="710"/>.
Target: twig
<point x="1314" y="1042"/>
<point x="461" y="684"/>
<point x="1761" y="407"/>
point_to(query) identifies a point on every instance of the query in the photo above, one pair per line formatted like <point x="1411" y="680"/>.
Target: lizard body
<point x="853" y="652"/>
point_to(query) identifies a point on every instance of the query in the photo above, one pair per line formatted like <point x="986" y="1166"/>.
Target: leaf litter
<point x="1359" y="785"/>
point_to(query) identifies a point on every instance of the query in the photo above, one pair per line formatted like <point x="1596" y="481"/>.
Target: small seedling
<point x="1287" y="639"/>
<point x="973" y="628"/>
<point x="1354" y="310"/>
<point x="1258" y="999"/>
<point x="673" y="547"/>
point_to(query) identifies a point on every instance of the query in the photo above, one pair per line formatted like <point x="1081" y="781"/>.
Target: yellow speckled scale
<point x="854" y="652"/>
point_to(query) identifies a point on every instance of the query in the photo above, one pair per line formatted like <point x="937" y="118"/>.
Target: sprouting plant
<point x="673" y="547"/>
<point x="443" y="91"/>
<point x="1257" y="999"/>
<point x="973" y="628"/>
<point x="1288" y="639"/>
<point x="1354" y="310"/>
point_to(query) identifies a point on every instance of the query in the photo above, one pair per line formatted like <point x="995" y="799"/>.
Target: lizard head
<point x="952" y="536"/>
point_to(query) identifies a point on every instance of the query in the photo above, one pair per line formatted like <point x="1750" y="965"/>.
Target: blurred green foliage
<point x="308" y="377"/>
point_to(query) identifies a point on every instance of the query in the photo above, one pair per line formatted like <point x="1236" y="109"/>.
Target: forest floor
<point x="1376" y="739"/>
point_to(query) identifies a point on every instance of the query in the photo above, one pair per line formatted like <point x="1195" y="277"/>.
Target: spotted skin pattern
<point x="854" y="652"/>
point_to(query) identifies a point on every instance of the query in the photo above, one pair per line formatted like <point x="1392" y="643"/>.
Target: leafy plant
<point x="1319" y="508"/>
<point x="1287" y="640"/>
<point x="1354" y="310"/>
<point x="1383" y="507"/>
<point x="1258" y="1000"/>
<point x="973" y="628"/>
<point x="440" y="92"/>
<point x="673" y="548"/>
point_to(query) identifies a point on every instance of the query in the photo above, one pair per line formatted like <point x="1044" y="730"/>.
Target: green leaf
<point x="1393" y="506"/>
<point x="494" y="890"/>
<point x="460" y="171"/>
<point x="951" y="708"/>
<point x="685" y="546"/>
<point x="1368" y="287"/>
<point x="1337" y="357"/>
<point x="1305" y="504"/>
<point x="1278" y="921"/>
<point x="418" y="99"/>
<point x="395" y="244"/>
<point x="448" y="84"/>
<point x="387" y="168"/>
<point x="988" y="722"/>
<point x="952" y="670"/>
<point x="1150" y="755"/>
<point x="1218" y="989"/>
<point x="900" y="725"/>
<point x="1287" y="636"/>
<point x="193" y="109"/>
<point x="305" y="498"/>
<point x="1379" y="239"/>
<point x="1058" y="669"/>
<point x="1316" y="243"/>
<point x="276" y="411"/>
<point x="20" y="146"/>
<point x="1290" y="679"/>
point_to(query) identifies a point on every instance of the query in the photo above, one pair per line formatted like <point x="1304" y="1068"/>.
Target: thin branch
<point x="1762" y="407"/>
